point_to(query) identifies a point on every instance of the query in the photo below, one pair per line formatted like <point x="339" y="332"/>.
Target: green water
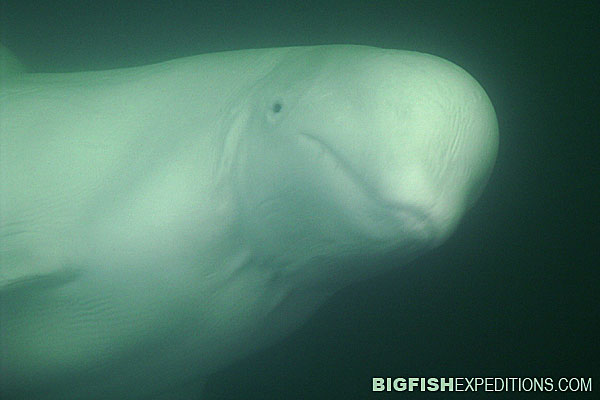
<point x="513" y="292"/>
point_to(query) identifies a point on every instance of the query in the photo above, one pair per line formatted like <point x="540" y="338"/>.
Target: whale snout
<point x="435" y="135"/>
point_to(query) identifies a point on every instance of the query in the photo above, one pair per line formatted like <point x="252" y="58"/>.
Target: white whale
<point x="157" y="223"/>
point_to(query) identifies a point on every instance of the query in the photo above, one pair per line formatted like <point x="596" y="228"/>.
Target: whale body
<point x="159" y="222"/>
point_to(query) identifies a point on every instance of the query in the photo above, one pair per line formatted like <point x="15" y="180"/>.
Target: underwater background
<point x="514" y="292"/>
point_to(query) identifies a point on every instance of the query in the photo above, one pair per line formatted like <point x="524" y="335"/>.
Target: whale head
<point x="353" y="151"/>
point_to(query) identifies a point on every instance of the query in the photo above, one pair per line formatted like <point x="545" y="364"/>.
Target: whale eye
<point x="276" y="107"/>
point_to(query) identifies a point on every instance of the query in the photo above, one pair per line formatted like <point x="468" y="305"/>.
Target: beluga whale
<point x="158" y="223"/>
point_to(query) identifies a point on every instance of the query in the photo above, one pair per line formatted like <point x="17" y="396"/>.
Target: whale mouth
<point x="382" y="218"/>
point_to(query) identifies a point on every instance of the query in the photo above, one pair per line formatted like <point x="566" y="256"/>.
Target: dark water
<point x="514" y="291"/>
